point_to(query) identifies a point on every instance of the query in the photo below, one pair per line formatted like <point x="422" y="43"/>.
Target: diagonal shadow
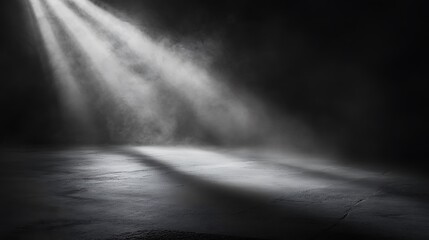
<point x="273" y="220"/>
<point x="410" y="191"/>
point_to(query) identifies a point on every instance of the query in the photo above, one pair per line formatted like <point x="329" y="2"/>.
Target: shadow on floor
<point x="412" y="191"/>
<point x="273" y="220"/>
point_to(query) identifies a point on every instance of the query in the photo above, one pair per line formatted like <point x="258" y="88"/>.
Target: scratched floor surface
<point x="202" y="193"/>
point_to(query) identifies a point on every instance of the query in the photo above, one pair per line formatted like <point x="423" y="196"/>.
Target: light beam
<point x="215" y="104"/>
<point x="73" y="101"/>
<point x="156" y="93"/>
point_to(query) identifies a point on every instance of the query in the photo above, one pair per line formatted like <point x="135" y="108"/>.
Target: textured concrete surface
<point x="197" y="193"/>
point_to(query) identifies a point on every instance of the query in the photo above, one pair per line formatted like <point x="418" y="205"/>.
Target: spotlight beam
<point x="73" y="101"/>
<point x="215" y="104"/>
<point x="146" y="105"/>
<point x="136" y="96"/>
<point x="105" y="65"/>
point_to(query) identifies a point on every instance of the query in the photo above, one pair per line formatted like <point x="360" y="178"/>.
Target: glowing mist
<point x="153" y="93"/>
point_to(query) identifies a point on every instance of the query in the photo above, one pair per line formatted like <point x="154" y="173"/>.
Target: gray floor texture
<point x="202" y="193"/>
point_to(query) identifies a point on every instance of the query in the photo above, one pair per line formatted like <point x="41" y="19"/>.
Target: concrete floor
<point x="197" y="193"/>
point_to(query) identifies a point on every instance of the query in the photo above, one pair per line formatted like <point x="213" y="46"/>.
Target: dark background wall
<point x="28" y="102"/>
<point x="354" y="71"/>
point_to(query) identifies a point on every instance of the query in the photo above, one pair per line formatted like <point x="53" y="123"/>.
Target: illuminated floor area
<point x="190" y="193"/>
